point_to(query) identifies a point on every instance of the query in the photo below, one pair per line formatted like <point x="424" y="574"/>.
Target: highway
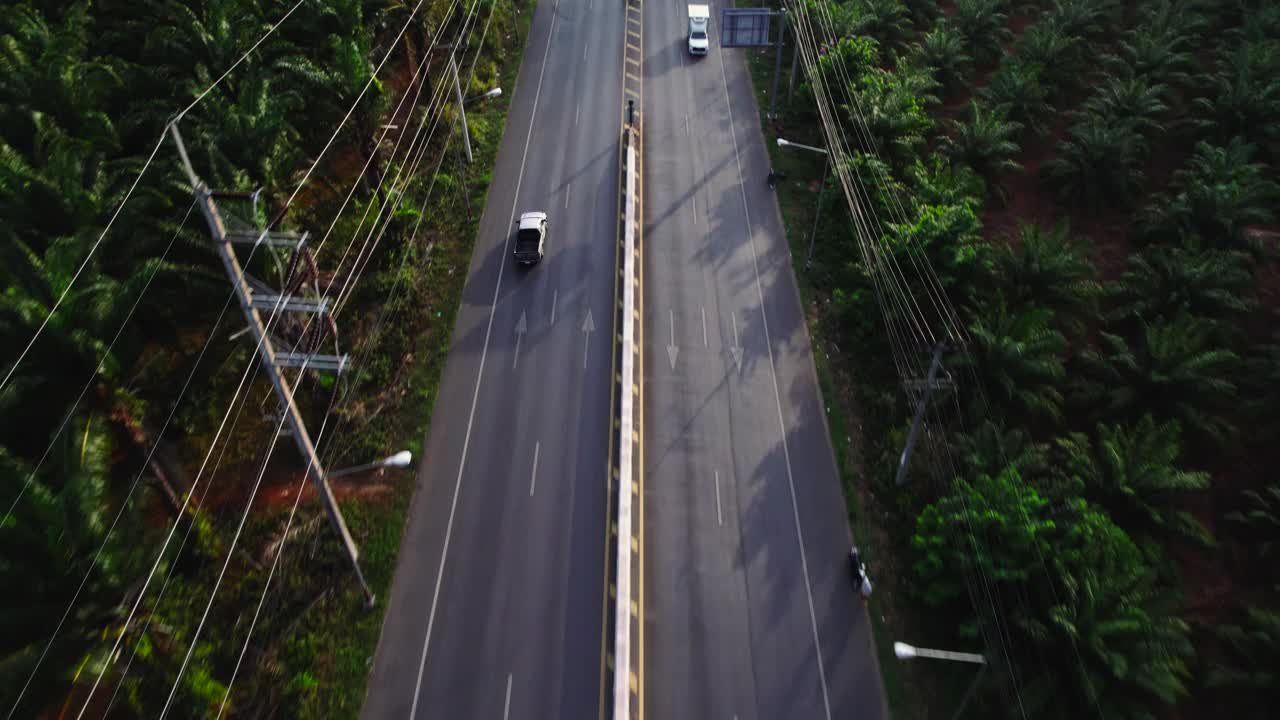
<point x="496" y="610"/>
<point x="749" y="612"/>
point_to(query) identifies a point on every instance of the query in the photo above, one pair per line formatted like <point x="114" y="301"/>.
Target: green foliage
<point x="1163" y="283"/>
<point x="984" y="25"/>
<point x="1056" y="56"/>
<point x="1048" y="267"/>
<point x="995" y="526"/>
<point x="1252" y="665"/>
<point x="1115" y="645"/>
<point x="1243" y="99"/>
<point x="1218" y="194"/>
<point x="1099" y="165"/>
<point x="1159" y="46"/>
<point x="1130" y="101"/>
<point x="1132" y="472"/>
<point x="894" y="108"/>
<point x="58" y="523"/>
<point x="1017" y="355"/>
<point x="948" y="235"/>
<point x="1171" y="369"/>
<point x="1083" y="18"/>
<point x="1259" y="524"/>
<point x="986" y="143"/>
<point x="942" y="49"/>
<point x="992" y="447"/>
<point x="1018" y="90"/>
<point x="885" y="20"/>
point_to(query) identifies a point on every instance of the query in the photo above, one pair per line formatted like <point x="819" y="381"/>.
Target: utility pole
<point x="462" y="112"/>
<point x="920" y="408"/>
<point x="817" y="213"/>
<point x="795" y="55"/>
<point x="250" y="302"/>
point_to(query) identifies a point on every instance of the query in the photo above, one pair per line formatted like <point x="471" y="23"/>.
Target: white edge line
<point x="506" y="707"/>
<point x="719" y="514"/>
<point x="475" y="397"/>
<point x="533" y="476"/>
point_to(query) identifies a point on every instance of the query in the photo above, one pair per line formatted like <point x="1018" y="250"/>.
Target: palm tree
<point x="923" y="12"/>
<point x="1082" y="18"/>
<point x="1243" y="98"/>
<point x="892" y="106"/>
<point x="1165" y="282"/>
<point x="885" y="20"/>
<point x="1218" y="195"/>
<point x="1099" y="165"/>
<point x="986" y="143"/>
<point x="1017" y="356"/>
<point x="46" y="547"/>
<point x="942" y="182"/>
<point x="1055" y="53"/>
<point x="1171" y="369"/>
<point x="1117" y="648"/>
<point x="943" y="50"/>
<point x="1259" y="520"/>
<point x="48" y="77"/>
<point x="1017" y="89"/>
<point x="984" y="26"/>
<point x="1159" y="47"/>
<point x="1131" y="100"/>
<point x="1133" y="473"/>
<point x="992" y="447"/>
<point x="1250" y="669"/>
<point x="1046" y="267"/>
<point x="249" y="141"/>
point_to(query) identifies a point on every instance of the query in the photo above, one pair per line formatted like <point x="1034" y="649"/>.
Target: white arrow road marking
<point x="588" y="327"/>
<point x="736" y="349"/>
<point x="522" y="327"/>
<point x="672" y="350"/>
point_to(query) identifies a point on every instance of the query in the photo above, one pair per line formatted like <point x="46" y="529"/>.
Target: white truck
<point x="699" y="20"/>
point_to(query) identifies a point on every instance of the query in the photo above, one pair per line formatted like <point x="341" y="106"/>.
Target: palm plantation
<point x="1095" y="192"/>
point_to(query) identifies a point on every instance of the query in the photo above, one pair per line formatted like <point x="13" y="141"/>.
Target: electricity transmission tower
<point x="253" y="295"/>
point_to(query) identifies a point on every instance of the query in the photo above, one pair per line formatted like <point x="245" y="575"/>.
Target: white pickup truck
<point x="699" y="20"/>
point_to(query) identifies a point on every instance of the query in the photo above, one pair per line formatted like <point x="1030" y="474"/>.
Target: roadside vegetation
<point x="1095" y="184"/>
<point x="91" y="483"/>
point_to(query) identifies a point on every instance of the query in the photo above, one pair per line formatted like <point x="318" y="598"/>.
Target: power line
<point x="213" y="594"/>
<point x="159" y="141"/>
<point x="137" y="478"/>
<point x="101" y="365"/>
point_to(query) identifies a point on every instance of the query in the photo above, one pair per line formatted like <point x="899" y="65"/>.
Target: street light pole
<point x="400" y="459"/>
<point x="908" y="652"/>
<point x="817" y="214"/>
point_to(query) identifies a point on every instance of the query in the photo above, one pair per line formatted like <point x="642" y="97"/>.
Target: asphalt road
<point x="496" y="610"/>
<point x="749" y="608"/>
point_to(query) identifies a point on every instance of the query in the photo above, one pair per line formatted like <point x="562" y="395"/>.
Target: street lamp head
<point x="496" y="92"/>
<point x="782" y="142"/>
<point x="400" y="459"/>
<point x="904" y="651"/>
